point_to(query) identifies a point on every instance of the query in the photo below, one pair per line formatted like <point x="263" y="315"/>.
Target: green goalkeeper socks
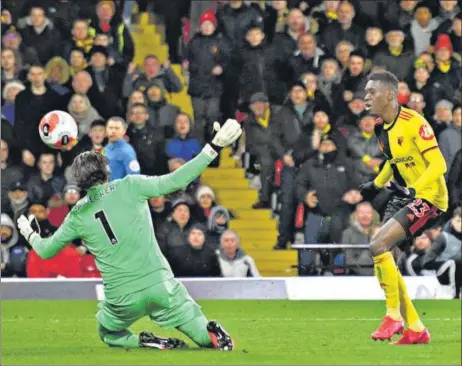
<point x="124" y="338"/>
<point x="196" y="329"/>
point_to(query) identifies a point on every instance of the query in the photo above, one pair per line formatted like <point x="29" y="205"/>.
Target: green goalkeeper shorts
<point x="168" y="304"/>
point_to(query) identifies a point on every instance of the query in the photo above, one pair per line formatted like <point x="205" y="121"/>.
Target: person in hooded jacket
<point x="12" y="254"/>
<point x="217" y="224"/>
<point x="234" y="262"/>
<point x="208" y="55"/>
<point x="195" y="259"/>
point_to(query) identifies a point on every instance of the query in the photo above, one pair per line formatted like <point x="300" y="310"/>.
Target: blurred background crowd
<point x="292" y="72"/>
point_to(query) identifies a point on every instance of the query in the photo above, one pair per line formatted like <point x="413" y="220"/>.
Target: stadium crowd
<point x="292" y="72"/>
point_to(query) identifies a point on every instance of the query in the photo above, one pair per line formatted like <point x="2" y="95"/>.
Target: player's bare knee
<point x="379" y="244"/>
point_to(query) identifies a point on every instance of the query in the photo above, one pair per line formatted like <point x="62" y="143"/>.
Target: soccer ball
<point x="58" y="130"/>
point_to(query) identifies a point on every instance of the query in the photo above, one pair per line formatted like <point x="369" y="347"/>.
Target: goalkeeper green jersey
<point x="115" y="223"/>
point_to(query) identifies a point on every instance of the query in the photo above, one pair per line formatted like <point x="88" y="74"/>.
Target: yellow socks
<point x="408" y="310"/>
<point x="387" y="274"/>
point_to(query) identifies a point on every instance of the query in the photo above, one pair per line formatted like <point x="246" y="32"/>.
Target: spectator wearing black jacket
<point x="208" y="55"/>
<point x="234" y="19"/>
<point x="447" y="69"/>
<point x="374" y="42"/>
<point x="82" y="38"/>
<point x="258" y="68"/>
<point x="10" y="174"/>
<point x="354" y="79"/>
<point x="217" y="224"/>
<point x="195" y="259"/>
<point x="258" y="137"/>
<point x="147" y="141"/>
<point x="31" y="105"/>
<point x="455" y="181"/>
<point x="329" y="84"/>
<point x="396" y="57"/>
<point x="400" y="12"/>
<point x="44" y="184"/>
<point x="286" y="43"/>
<point x="343" y="30"/>
<point x="40" y="34"/>
<point x="160" y="210"/>
<point x="308" y="57"/>
<point x="25" y="54"/>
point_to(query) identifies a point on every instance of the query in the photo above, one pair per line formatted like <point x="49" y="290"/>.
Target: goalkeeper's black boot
<point x="149" y="340"/>
<point x="220" y="338"/>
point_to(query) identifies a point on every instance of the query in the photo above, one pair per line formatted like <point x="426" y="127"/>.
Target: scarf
<point x="264" y="120"/>
<point x="444" y="67"/>
<point x="396" y="51"/>
<point x="85" y="44"/>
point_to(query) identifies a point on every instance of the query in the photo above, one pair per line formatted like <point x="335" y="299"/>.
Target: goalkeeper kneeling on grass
<point x="114" y="221"/>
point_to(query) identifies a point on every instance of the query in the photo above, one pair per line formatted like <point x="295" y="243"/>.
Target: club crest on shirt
<point x="426" y="132"/>
<point x="134" y="166"/>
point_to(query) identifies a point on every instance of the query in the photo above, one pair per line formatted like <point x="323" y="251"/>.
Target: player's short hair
<point x="385" y="77"/>
<point x="89" y="169"/>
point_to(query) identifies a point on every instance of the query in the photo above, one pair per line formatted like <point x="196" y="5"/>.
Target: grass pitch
<point x="265" y="332"/>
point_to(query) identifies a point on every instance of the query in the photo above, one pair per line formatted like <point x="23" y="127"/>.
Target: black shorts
<point x="414" y="215"/>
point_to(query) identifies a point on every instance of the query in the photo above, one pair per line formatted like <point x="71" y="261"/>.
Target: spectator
<point x="234" y="18"/>
<point x="208" y="55"/>
<point x="374" y="43"/>
<point x="448" y="9"/>
<point x="31" y="105"/>
<point x="217" y="224"/>
<point x="183" y="145"/>
<point x="450" y="140"/>
<point x="58" y="208"/>
<point x="321" y="184"/>
<point x="442" y="117"/>
<point x="275" y="18"/>
<point x="136" y="97"/>
<point x="258" y="67"/>
<point x="285" y="43"/>
<point x="307" y="145"/>
<point x="12" y="254"/>
<point x="329" y="82"/>
<point x="365" y="150"/>
<point x="10" y="92"/>
<point x="354" y="78"/>
<point x="10" y="174"/>
<point x="11" y="71"/>
<point x="106" y="82"/>
<point x="403" y="93"/>
<point x="162" y="114"/>
<point x="172" y="232"/>
<point x="196" y="258"/>
<point x="57" y="74"/>
<point x="396" y="58"/>
<point x="455" y="181"/>
<point x="342" y="53"/>
<point x="152" y="71"/>
<point x="455" y="34"/>
<point x="417" y="102"/>
<point x="315" y="96"/>
<point x="102" y="39"/>
<point x="121" y="155"/>
<point x="427" y="58"/>
<point x="62" y="13"/>
<point x="400" y="12"/>
<point x="205" y="199"/>
<point x="40" y="34"/>
<point x="360" y="231"/>
<point x="82" y="38"/>
<point x="83" y="112"/>
<point x="447" y="70"/>
<point x="71" y="195"/>
<point x="77" y="61"/>
<point x="234" y="262"/>
<point x="18" y="198"/>
<point x="47" y="182"/>
<point x="325" y="14"/>
<point x="117" y="31"/>
<point x="422" y="27"/>
<point x="160" y="210"/>
<point x="343" y="30"/>
<point x="355" y="108"/>
<point x="147" y="141"/>
<point x="258" y="138"/>
<point x="308" y="57"/>
<point x="40" y="212"/>
<point x="25" y="54"/>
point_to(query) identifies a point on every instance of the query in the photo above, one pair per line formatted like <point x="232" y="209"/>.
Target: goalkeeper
<point x="114" y="221"/>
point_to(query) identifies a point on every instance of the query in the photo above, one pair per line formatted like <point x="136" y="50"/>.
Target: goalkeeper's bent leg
<point x="196" y="329"/>
<point x="123" y="338"/>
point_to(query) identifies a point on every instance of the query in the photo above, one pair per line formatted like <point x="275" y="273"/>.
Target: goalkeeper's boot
<point x="149" y="340"/>
<point x="220" y="338"/>
<point x="387" y="329"/>
<point x="411" y="337"/>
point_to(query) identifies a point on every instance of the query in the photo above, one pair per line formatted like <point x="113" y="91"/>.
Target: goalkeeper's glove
<point x="224" y="136"/>
<point x="400" y="191"/>
<point x="369" y="190"/>
<point x="25" y="226"/>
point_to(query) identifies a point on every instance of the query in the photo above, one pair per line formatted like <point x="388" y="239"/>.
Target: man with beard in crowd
<point x="12" y="253"/>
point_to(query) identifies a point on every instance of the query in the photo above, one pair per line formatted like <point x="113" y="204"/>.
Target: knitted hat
<point x="443" y="41"/>
<point x="18" y="185"/>
<point x="204" y="190"/>
<point x="208" y="15"/>
<point x="258" y="97"/>
<point x="71" y="187"/>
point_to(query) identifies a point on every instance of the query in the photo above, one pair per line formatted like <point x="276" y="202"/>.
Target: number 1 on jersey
<point x="100" y="215"/>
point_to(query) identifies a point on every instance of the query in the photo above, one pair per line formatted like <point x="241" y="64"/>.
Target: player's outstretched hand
<point x="401" y="191"/>
<point x="25" y="227"/>
<point x="369" y="190"/>
<point x="225" y="135"/>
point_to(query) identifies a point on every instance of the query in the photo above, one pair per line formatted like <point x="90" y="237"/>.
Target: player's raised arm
<point x="48" y="247"/>
<point x="180" y="178"/>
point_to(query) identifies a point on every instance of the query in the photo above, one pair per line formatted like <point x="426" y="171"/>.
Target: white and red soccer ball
<point x="58" y="130"/>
